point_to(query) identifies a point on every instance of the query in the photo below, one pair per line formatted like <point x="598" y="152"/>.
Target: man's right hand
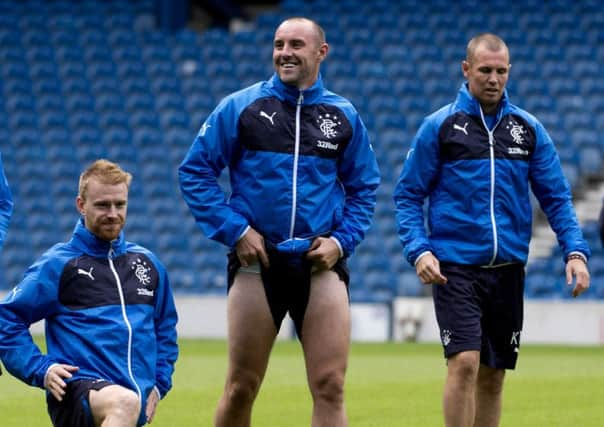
<point x="53" y="380"/>
<point x="428" y="270"/>
<point x="250" y="249"/>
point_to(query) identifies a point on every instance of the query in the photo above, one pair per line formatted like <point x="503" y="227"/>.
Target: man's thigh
<point x="103" y="401"/>
<point x="251" y="330"/>
<point x="326" y="327"/>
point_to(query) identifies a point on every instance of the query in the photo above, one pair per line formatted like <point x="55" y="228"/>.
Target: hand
<point x="152" y="402"/>
<point x="428" y="270"/>
<point x="577" y="268"/>
<point x="53" y="380"/>
<point x="250" y="249"/>
<point x="323" y="253"/>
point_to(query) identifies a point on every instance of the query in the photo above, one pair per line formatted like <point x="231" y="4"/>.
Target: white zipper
<point x="492" y="193"/>
<point x="126" y="321"/>
<point x="295" y="168"/>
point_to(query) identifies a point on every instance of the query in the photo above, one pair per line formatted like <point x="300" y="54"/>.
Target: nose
<point x="286" y="50"/>
<point x="112" y="211"/>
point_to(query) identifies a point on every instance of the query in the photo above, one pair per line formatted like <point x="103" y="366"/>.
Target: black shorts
<point x="74" y="409"/>
<point x="286" y="283"/>
<point x="481" y="309"/>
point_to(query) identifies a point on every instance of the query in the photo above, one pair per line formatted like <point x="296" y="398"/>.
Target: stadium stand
<point x="87" y="79"/>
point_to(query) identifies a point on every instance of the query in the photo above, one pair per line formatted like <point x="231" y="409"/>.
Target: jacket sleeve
<point x="360" y="176"/>
<point x="198" y="174"/>
<point x="554" y="195"/>
<point x="165" y="317"/>
<point x="33" y="299"/>
<point x="414" y="184"/>
<point x="6" y="204"/>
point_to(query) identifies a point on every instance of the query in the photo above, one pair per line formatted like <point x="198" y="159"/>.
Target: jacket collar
<point x="466" y="101"/>
<point x="291" y="93"/>
<point x="90" y="244"/>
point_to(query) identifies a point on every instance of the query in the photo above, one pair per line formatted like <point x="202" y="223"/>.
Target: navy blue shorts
<point x="74" y="409"/>
<point x="286" y="283"/>
<point x="481" y="309"/>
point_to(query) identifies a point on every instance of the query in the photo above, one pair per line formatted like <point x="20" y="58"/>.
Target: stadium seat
<point x="541" y="285"/>
<point x="409" y="285"/>
<point x="591" y="161"/>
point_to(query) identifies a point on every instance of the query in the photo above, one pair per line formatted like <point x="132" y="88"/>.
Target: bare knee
<point x="125" y="403"/>
<point x="464" y="366"/>
<point x="328" y="386"/>
<point x="242" y="388"/>
<point x="490" y="380"/>
<point x="115" y="402"/>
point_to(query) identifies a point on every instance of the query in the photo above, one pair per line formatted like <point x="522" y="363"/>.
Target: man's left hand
<point x="323" y="253"/>
<point x="152" y="402"/>
<point x="578" y="269"/>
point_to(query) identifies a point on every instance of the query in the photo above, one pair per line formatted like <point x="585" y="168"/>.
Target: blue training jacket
<point x="6" y="204"/>
<point x="477" y="181"/>
<point x="109" y="310"/>
<point x="300" y="166"/>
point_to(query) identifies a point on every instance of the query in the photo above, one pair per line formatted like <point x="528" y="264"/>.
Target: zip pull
<point x="300" y="98"/>
<point x="491" y="138"/>
<point x="110" y="254"/>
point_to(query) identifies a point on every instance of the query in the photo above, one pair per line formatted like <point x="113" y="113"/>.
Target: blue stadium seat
<point x="20" y="102"/>
<point x="134" y="85"/>
<point x="82" y="119"/>
<point x="118" y="140"/>
<point x="409" y="285"/>
<point x="541" y="285"/>
<point x="87" y="140"/>
<point x="53" y="119"/>
<point x="571" y="172"/>
<point x="583" y="137"/>
<point x="591" y="161"/>
<point x="140" y="102"/>
<point x="146" y="137"/>
<point x="22" y="123"/>
<point x="174" y="119"/>
<point x="143" y="121"/>
<point x="110" y="106"/>
<point x="74" y="73"/>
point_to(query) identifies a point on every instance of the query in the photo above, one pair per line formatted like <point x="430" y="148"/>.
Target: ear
<point x="323" y="50"/>
<point x="465" y="67"/>
<point x="80" y="205"/>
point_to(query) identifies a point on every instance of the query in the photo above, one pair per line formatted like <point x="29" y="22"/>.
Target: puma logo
<point x="463" y="129"/>
<point x="86" y="273"/>
<point x="266" y="116"/>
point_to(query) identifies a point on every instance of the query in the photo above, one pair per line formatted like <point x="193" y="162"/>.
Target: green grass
<point x="388" y="385"/>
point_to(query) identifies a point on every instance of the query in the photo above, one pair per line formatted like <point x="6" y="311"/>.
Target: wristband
<point x="576" y="256"/>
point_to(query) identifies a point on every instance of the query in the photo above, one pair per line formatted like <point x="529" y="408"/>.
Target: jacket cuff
<point x="339" y="245"/>
<point x="46" y="374"/>
<point x="421" y="256"/>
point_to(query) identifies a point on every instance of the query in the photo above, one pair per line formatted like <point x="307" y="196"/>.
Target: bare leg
<point x="114" y="406"/>
<point x="460" y="389"/>
<point x="251" y="334"/>
<point x="326" y="342"/>
<point x="489" y="393"/>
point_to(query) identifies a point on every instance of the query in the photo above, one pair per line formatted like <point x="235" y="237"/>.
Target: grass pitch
<point x="388" y="385"/>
